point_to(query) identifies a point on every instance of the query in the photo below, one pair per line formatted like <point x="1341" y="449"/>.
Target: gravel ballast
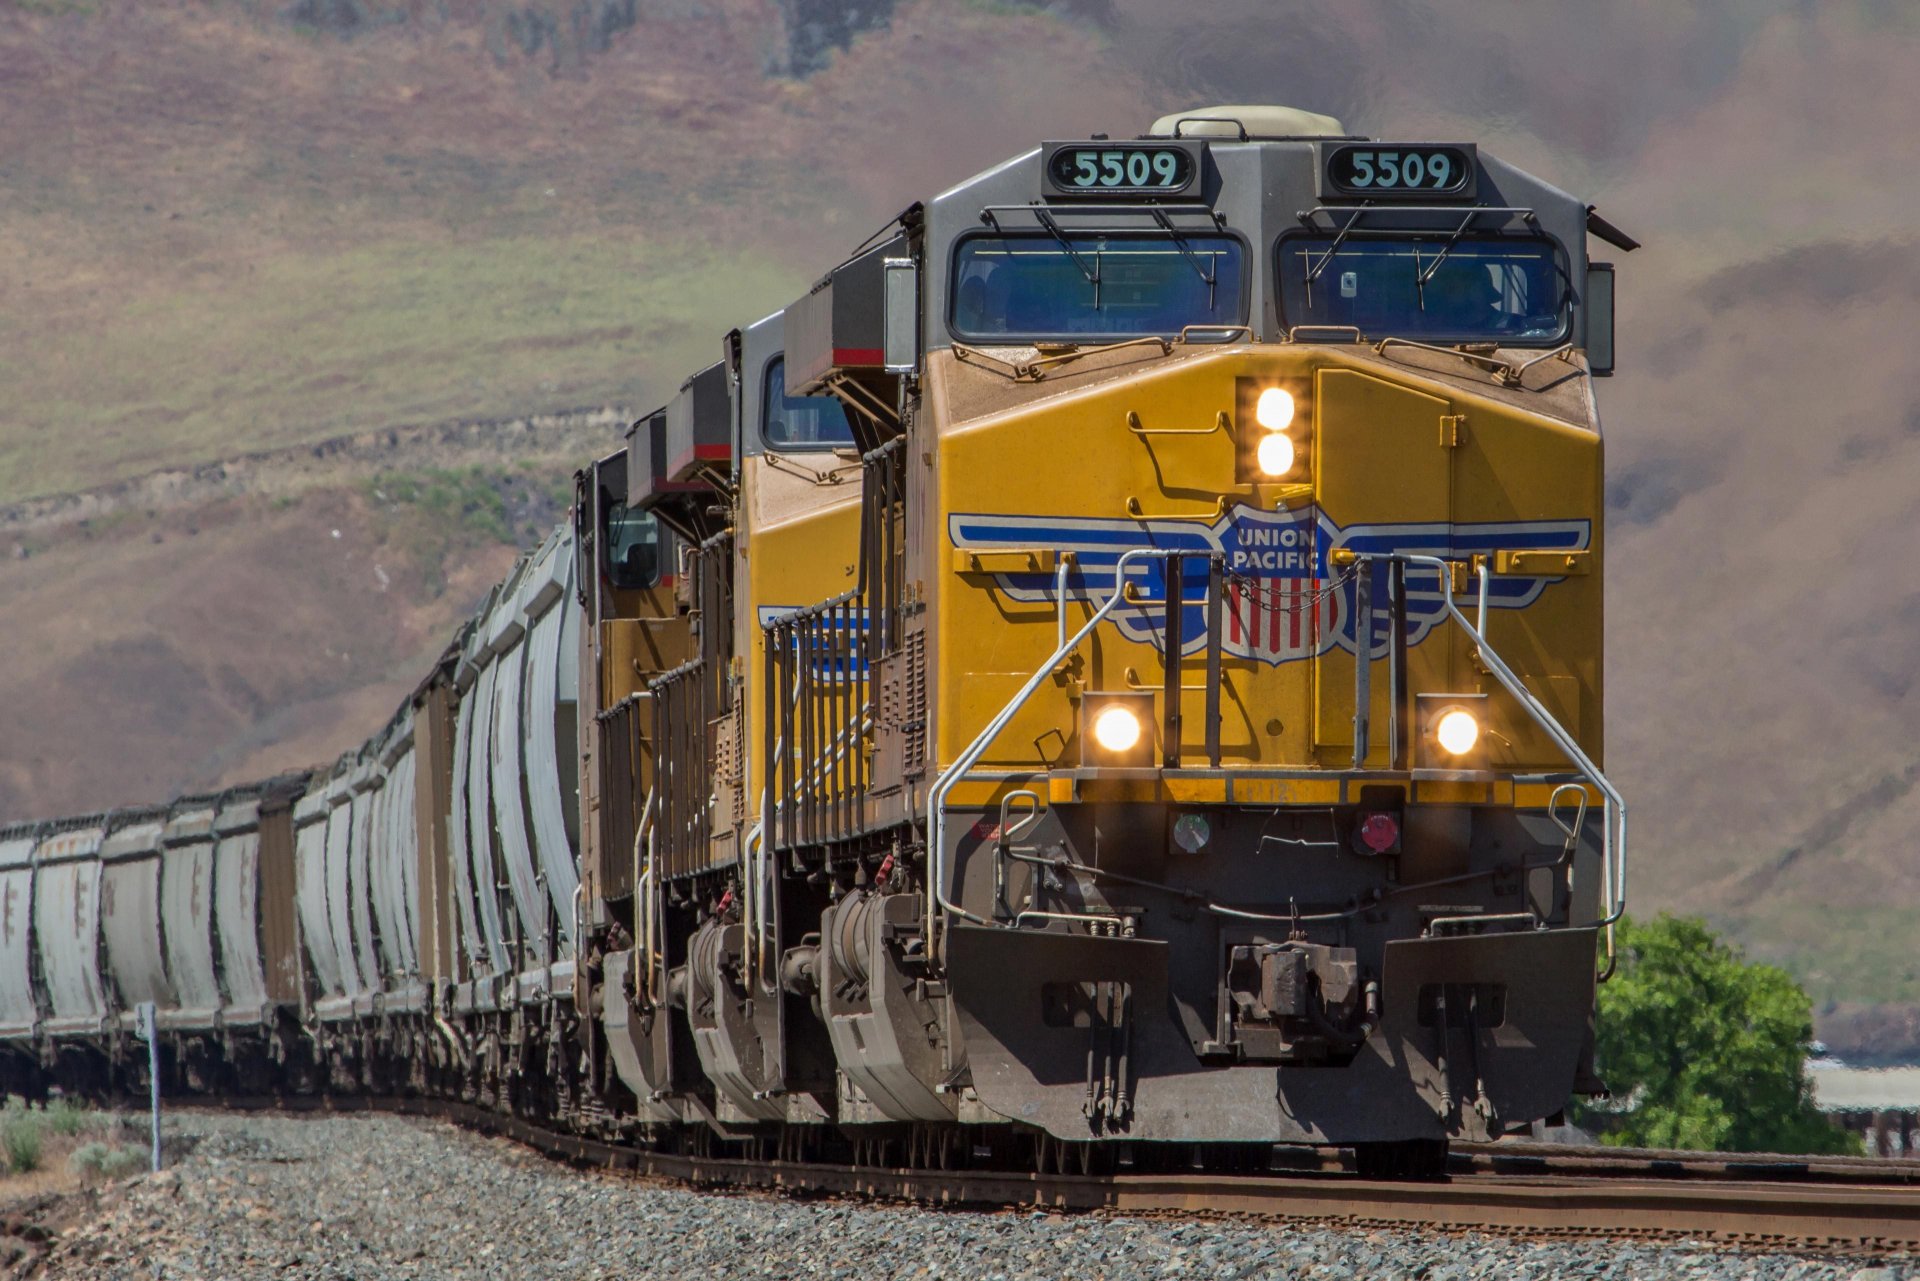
<point x="365" y="1198"/>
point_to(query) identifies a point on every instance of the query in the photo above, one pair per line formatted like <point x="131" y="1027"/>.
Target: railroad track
<point x="1833" y="1205"/>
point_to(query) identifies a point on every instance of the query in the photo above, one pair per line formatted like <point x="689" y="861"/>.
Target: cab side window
<point x="800" y="422"/>
<point x="631" y="543"/>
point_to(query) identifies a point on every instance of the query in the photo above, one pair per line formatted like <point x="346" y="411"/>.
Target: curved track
<point x="1853" y="1206"/>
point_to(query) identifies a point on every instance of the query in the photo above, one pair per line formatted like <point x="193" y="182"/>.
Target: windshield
<point x="800" y="422"/>
<point x="1038" y="286"/>
<point x="632" y="547"/>
<point x="1474" y="289"/>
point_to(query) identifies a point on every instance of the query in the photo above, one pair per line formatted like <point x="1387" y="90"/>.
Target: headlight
<point x="1274" y="409"/>
<point x="1275" y="453"/>
<point x="1273" y="428"/>
<point x="1116" y="729"/>
<point x="1457" y="731"/>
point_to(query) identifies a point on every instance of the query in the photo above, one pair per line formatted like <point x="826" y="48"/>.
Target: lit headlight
<point x="1274" y="409"/>
<point x="1273" y="419"/>
<point x="1116" y="729"/>
<point x="1275" y="453"/>
<point x="1457" y="731"/>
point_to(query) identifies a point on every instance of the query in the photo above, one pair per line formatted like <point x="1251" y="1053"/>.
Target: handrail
<point x="1294" y="332"/>
<point x="816" y="774"/>
<point x="990" y="214"/>
<point x="1037" y="367"/>
<point x="1219" y="423"/>
<point x="1226" y="332"/>
<point x="1360" y="211"/>
<point x="1614" y="817"/>
<point x="937" y="900"/>
<point x="1136" y="512"/>
<point x="643" y="891"/>
<point x="1504" y="372"/>
<point x="761" y="829"/>
<point x="753" y="898"/>
<point x="832" y="772"/>
<point x="1563" y="352"/>
<point x="1492" y="364"/>
<point x="1613" y="851"/>
<point x="1060" y="598"/>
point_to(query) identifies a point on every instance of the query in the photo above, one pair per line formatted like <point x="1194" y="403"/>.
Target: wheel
<point x="1415" y="1160"/>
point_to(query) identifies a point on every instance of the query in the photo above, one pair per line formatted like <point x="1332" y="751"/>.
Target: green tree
<point x="1703" y="1049"/>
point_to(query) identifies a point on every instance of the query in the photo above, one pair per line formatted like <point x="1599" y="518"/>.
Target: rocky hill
<point x="255" y="225"/>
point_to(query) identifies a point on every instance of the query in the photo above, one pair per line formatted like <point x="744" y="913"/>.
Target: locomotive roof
<point x="1250" y="185"/>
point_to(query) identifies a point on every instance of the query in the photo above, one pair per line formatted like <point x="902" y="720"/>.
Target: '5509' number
<point x="1121" y="168"/>
<point x="1372" y="171"/>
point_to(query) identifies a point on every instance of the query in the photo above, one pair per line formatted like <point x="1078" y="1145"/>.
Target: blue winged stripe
<point x="1284" y="603"/>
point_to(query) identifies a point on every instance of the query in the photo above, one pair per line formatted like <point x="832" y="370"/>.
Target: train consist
<point x="1114" y="669"/>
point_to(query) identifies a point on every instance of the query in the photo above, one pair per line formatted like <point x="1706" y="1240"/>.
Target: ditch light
<point x="1116" y="729"/>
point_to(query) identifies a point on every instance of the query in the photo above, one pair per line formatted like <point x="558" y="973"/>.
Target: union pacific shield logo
<point x="1282" y="601"/>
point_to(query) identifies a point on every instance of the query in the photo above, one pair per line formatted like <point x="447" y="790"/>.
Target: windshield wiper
<point x="1092" y="274"/>
<point x="1326" y="259"/>
<point x="1186" y="251"/>
<point x="1422" y="278"/>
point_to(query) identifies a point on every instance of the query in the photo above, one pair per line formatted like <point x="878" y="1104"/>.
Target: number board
<point x="1138" y="169"/>
<point x="1400" y="170"/>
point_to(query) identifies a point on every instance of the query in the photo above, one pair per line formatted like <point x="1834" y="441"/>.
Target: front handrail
<point x="1613" y="867"/>
<point x="1613" y="843"/>
<point x="937" y="901"/>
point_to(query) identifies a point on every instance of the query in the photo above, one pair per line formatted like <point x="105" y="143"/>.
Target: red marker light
<point x="1378" y="832"/>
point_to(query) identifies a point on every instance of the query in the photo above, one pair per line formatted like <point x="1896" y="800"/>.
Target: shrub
<point x="1705" y="1049"/>
<point x="67" y="1118"/>
<point x="22" y="1139"/>
<point x="94" y="1162"/>
<point x="87" y="1159"/>
<point x="121" y="1162"/>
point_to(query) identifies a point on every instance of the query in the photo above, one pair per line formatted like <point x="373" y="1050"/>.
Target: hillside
<point x="221" y="229"/>
<point x="233" y="227"/>
<point x="226" y="622"/>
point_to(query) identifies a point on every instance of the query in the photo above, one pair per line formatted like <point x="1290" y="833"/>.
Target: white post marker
<point x="144" y="1012"/>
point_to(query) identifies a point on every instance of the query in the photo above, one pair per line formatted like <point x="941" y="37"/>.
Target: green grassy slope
<point x="221" y="231"/>
<point x="312" y="344"/>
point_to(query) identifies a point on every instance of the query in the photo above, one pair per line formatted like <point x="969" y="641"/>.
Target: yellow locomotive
<point x="1121" y="656"/>
<point x="1114" y="670"/>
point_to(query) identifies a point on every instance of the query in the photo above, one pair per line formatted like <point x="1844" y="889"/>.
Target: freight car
<point x="1115" y="669"/>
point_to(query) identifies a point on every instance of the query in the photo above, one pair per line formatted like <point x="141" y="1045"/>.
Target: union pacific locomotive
<point x="1116" y="666"/>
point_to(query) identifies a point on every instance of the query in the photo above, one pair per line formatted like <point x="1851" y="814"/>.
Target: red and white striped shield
<point x="1278" y="619"/>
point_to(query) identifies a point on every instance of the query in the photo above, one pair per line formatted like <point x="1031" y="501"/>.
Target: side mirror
<point x="1599" y="311"/>
<point x="901" y="295"/>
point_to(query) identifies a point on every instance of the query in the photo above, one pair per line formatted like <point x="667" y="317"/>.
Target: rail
<point x="1852" y="1207"/>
